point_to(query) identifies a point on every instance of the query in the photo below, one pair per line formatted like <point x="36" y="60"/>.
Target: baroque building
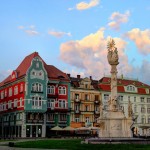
<point x="85" y="101"/>
<point x="33" y="99"/>
<point x="135" y="92"/>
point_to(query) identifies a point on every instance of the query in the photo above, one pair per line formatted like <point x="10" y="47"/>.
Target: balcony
<point x="77" y="100"/>
<point x="97" y="101"/>
<point x="96" y="112"/>
<point x="77" y="111"/>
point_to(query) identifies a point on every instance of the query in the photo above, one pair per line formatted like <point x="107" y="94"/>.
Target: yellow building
<point x="85" y="101"/>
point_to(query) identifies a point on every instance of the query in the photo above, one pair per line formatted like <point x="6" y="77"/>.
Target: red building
<point x="34" y="97"/>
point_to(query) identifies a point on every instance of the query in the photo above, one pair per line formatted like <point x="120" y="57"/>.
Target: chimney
<point x="68" y="74"/>
<point x="78" y="76"/>
<point x="90" y="77"/>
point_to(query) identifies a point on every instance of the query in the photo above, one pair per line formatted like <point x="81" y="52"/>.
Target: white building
<point x="138" y="94"/>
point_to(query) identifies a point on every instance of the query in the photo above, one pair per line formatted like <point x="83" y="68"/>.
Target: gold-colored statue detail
<point x="111" y="45"/>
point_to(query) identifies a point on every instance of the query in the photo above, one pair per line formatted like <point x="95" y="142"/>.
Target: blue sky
<point x="72" y="35"/>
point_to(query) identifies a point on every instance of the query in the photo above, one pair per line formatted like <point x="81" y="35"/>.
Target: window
<point x="143" y="119"/>
<point x="16" y="90"/>
<point x="51" y="117"/>
<point x="9" y="105"/>
<point x="4" y="106"/>
<point x="21" y="88"/>
<point x="37" y="87"/>
<point x="96" y="108"/>
<point x="128" y="98"/>
<point x="36" y="101"/>
<point x="148" y="100"/>
<point x="37" y="65"/>
<point x="77" y="96"/>
<point x="149" y="119"/>
<point x="142" y="109"/>
<point x="77" y="119"/>
<point x="62" y="104"/>
<point x="96" y="97"/>
<point x="120" y="98"/>
<point x="77" y="107"/>
<point x="5" y="92"/>
<point x="134" y="99"/>
<point x="51" y="103"/>
<point x="106" y="97"/>
<point x="87" y="119"/>
<point x="63" y="117"/>
<point x="62" y="90"/>
<point x="142" y="99"/>
<point x="15" y="103"/>
<point x="86" y="86"/>
<point x="86" y="97"/>
<point x="135" y="109"/>
<point x="10" y="91"/>
<point x="148" y="110"/>
<point x="2" y="94"/>
<point x="1" y="107"/>
<point x="51" y="89"/>
<point x="130" y="88"/>
<point x="21" y="102"/>
<point x="86" y="108"/>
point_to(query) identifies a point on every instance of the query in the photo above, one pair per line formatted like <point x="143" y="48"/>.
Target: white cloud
<point x="86" y="5"/>
<point x="90" y="54"/>
<point x="117" y="19"/>
<point x="30" y="30"/>
<point x="58" y="34"/>
<point x="141" y="39"/>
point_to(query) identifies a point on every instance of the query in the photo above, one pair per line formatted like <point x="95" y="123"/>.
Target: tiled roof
<point x="104" y="85"/>
<point x="55" y="73"/>
<point x="21" y="70"/>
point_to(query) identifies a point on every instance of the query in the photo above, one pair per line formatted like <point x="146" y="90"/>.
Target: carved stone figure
<point x="112" y="55"/>
<point x="130" y="111"/>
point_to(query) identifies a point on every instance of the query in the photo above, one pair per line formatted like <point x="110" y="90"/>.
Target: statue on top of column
<point x="112" y="55"/>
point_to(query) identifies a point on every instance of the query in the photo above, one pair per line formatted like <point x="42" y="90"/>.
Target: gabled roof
<point x="53" y="72"/>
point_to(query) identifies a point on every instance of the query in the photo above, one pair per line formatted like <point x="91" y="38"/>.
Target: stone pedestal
<point x="115" y="124"/>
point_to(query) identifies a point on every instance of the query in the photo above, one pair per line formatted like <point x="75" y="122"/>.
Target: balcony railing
<point x="77" y="111"/>
<point x="96" y="112"/>
<point x="77" y="100"/>
<point x="97" y="101"/>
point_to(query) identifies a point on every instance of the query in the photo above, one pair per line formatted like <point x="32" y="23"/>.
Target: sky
<point x="73" y="35"/>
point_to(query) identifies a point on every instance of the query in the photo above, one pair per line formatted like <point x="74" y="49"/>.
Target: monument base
<point x="114" y="124"/>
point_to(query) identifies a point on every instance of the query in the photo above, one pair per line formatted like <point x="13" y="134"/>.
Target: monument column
<point x="113" y="61"/>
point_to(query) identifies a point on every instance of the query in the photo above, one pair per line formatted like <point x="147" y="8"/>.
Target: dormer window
<point x="131" y="88"/>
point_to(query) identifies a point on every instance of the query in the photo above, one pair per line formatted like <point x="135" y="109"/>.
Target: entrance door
<point x="33" y="131"/>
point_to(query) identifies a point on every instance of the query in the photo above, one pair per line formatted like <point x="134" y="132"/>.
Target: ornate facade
<point x="33" y="99"/>
<point x="85" y="101"/>
<point x="134" y="92"/>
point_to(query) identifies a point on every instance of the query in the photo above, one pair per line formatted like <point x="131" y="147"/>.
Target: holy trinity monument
<point x="113" y="122"/>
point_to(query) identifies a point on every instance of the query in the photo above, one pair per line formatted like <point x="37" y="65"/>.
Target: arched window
<point x="37" y="87"/>
<point x="131" y="88"/>
<point x="62" y="90"/>
<point x="51" y="89"/>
